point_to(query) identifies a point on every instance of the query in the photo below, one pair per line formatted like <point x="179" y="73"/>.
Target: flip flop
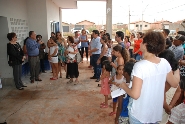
<point x="104" y="106"/>
<point x="70" y="81"/>
<point x="76" y="82"/>
<point x="112" y="113"/>
<point x="103" y="103"/>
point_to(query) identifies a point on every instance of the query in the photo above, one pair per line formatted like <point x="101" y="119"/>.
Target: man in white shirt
<point x="95" y="54"/>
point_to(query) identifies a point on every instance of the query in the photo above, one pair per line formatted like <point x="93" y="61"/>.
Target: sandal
<point x="104" y="106"/>
<point x="70" y="81"/>
<point x="53" y="78"/>
<point x="103" y="103"/>
<point x="76" y="82"/>
<point x="112" y="113"/>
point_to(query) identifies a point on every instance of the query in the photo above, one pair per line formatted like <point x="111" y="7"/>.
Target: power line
<point x="167" y="10"/>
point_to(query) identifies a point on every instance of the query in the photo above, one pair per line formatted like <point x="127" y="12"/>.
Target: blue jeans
<point x="137" y="57"/>
<point x="133" y="120"/>
<point x="97" y="68"/>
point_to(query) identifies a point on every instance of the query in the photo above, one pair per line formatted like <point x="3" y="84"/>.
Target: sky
<point x="153" y="10"/>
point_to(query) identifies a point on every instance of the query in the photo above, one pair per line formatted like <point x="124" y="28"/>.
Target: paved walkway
<point x="55" y="102"/>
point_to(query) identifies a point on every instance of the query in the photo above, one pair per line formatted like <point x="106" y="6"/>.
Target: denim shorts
<point x="133" y="120"/>
<point x="115" y="99"/>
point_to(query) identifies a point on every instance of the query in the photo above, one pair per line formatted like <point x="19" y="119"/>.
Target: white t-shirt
<point x="71" y="49"/>
<point x="52" y="50"/>
<point x="76" y="40"/>
<point x="114" y="87"/>
<point x="148" y="108"/>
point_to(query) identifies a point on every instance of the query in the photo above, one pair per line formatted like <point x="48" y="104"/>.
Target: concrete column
<point x="60" y="20"/>
<point x="109" y="17"/>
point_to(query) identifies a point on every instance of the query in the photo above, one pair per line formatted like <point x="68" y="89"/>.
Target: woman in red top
<point x="137" y="42"/>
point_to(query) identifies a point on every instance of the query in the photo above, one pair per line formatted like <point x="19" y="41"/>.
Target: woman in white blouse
<point x="72" y="65"/>
<point x="148" y="81"/>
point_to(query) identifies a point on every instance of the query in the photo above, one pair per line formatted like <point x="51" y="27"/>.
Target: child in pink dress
<point x="105" y="88"/>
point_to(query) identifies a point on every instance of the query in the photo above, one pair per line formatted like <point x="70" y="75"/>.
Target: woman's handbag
<point x="78" y="58"/>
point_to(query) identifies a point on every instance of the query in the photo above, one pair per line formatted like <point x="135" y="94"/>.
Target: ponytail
<point x="123" y="52"/>
<point x="125" y="55"/>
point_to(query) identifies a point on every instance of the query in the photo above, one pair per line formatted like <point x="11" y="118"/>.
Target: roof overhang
<point x="69" y="4"/>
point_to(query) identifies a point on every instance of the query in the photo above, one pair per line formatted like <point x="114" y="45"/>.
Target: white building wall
<point x="37" y="17"/>
<point x="22" y="17"/>
<point x="16" y="13"/>
<point x="52" y="14"/>
<point x="132" y="26"/>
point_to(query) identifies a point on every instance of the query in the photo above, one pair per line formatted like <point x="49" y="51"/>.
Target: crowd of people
<point x="139" y="69"/>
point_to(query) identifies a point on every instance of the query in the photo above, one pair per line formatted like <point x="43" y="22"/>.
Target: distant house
<point x="178" y="26"/>
<point x="159" y="25"/>
<point x="84" y="24"/>
<point x="66" y="27"/>
<point x="140" y="26"/>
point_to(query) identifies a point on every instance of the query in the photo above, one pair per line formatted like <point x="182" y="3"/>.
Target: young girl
<point x="123" y="100"/>
<point x="117" y="79"/>
<point x="105" y="88"/>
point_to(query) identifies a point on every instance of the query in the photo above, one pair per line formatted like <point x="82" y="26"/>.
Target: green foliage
<point x="92" y="28"/>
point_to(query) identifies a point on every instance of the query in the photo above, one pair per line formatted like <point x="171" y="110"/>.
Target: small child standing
<point x="117" y="79"/>
<point x="123" y="100"/>
<point x="105" y="88"/>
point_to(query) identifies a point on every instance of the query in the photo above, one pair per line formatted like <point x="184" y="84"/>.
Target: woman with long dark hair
<point x="62" y="44"/>
<point x="16" y="58"/>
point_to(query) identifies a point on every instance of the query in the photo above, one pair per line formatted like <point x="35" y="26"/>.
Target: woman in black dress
<point x="72" y="65"/>
<point x="16" y="57"/>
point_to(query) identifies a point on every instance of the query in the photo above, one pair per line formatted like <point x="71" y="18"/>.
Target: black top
<point x="15" y="54"/>
<point x="168" y="43"/>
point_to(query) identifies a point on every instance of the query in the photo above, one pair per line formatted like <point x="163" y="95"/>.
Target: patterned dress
<point x="61" y="50"/>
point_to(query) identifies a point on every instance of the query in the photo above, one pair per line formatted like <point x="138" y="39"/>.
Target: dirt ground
<point x="56" y="102"/>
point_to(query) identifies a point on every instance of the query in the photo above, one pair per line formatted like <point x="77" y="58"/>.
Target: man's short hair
<point x="96" y="32"/>
<point x="180" y="37"/>
<point x="181" y="32"/>
<point x="30" y="33"/>
<point x="120" y="34"/>
<point x="167" y="31"/>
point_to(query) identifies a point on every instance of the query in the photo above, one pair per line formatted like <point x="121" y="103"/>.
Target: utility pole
<point x="142" y="17"/>
<point x="129" y="19"/>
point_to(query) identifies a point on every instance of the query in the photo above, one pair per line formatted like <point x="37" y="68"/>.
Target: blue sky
<point x="153" y="10"/>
